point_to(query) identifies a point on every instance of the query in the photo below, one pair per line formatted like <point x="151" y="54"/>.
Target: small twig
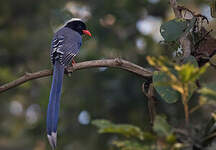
<point x="181" y="8"/>
<point x="114" y="63"/>
<point x="203" y="38"/>
<point x="180" y="131"/>
<point x="195" y="108"/>
<point x="185" y="103"/>
<point x="213" y="135"/>
<point x="186" y="110"/>
<point x="201" y="104"/>
<point x="151" y="101"/>
<point x="174" y="6"/>
<point x="202" y="17"/>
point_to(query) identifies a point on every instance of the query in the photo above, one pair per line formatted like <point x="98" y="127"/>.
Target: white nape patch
<point x="52" y="139"/>
<point x="71" y="20"/>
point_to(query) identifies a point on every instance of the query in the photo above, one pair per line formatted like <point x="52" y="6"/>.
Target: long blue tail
<point x="54" y="103"/>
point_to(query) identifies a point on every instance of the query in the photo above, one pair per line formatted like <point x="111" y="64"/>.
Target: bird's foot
<point x="68" y="72"/>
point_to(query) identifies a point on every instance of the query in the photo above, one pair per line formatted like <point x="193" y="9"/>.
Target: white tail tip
<point x="52" y="139"/>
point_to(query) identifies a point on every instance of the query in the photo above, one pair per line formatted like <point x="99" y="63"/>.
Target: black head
<point x="76" y="25"/>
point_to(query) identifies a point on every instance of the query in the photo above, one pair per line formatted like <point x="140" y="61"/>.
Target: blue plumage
<point x="54" y="103"/>
<point x="65" y="45"/>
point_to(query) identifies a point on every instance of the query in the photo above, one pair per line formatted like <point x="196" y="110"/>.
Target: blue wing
<point x="66" y="45"/>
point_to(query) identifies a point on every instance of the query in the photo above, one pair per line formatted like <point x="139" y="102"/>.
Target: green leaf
<point x="174" y="29"/>
<point x="130" y="145"/>
<point x="185" y="73"/>
<point x="213" y="60"/>
<point x="161" y="84"/>
<point x="191" y="60"/>
<point x="209" y="91"/>
<point x="127" y="130"/>
<point x="161" y="127"/>
<point x="189" y="73"/>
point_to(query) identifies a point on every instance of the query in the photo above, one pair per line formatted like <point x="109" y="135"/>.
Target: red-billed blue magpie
<point x="65" y="45"/>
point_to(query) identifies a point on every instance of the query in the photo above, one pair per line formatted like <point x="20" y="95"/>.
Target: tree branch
<point x="113" y="63"/>
<point x="175" y="8"/>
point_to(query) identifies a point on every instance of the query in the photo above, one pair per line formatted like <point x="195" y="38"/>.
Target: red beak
<point x="86" y="32"/>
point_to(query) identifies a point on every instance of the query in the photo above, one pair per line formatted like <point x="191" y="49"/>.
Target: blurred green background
<point x="121" y="28"/>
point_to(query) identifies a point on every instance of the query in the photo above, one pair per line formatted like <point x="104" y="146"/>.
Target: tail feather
<point x="54" y="103"/>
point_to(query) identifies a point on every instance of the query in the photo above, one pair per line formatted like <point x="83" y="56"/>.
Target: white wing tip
<point x="52" y="139"/>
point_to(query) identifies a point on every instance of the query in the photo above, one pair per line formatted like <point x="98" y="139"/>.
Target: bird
<point x="65" y="46"/>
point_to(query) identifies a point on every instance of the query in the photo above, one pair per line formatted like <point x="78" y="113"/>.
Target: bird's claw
<point x="68" y="72"/>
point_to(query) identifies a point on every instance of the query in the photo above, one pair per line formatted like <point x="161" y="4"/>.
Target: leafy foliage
<point x="106" y="126"/>
<point x="180" y="78"/>
<point x="172" y="81"/>
<point x="161" y="127"/>
<point x="136" y="139"/>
